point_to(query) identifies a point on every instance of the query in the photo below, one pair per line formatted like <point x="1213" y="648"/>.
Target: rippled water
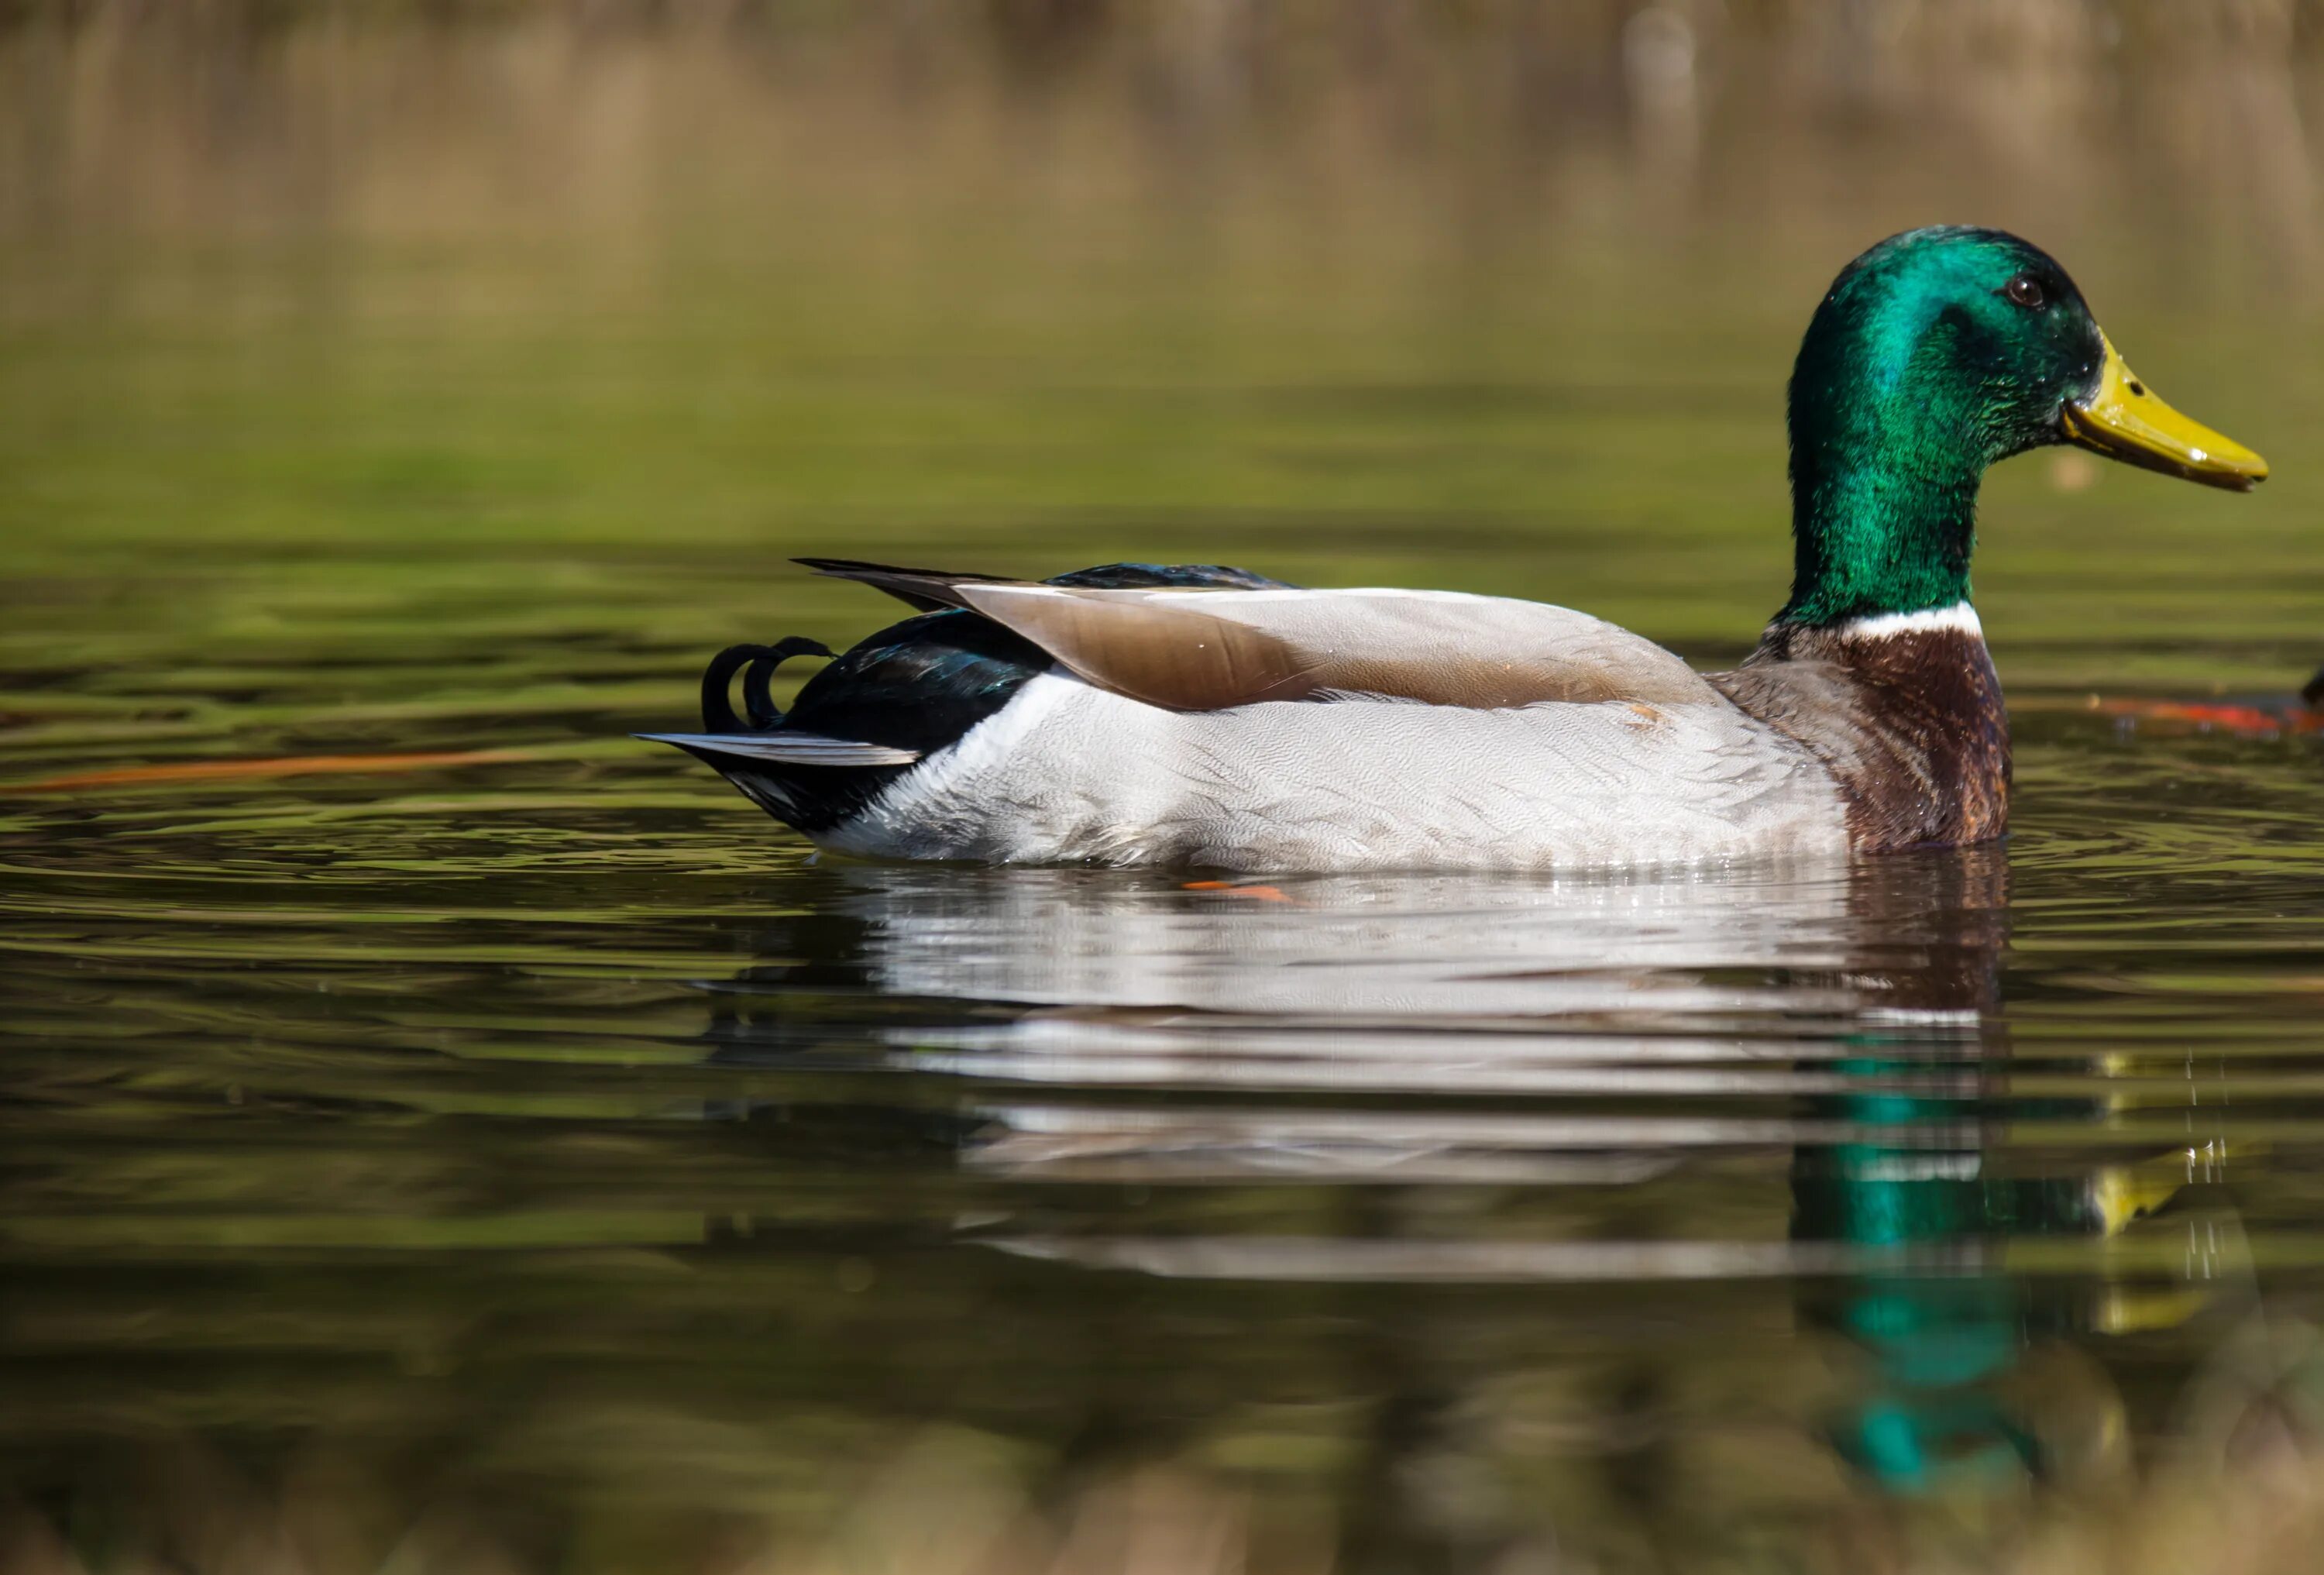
<point x="551" y="1126"/>
<point x="508" y="1141"/>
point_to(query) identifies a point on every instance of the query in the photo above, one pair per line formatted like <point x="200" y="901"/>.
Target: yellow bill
<point x="2123" y="421"/>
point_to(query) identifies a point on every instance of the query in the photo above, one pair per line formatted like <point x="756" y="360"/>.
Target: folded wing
<point x="1209" y="650"/>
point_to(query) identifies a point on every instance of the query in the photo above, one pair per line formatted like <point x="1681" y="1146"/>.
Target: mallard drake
<point x="1141" y="713"/>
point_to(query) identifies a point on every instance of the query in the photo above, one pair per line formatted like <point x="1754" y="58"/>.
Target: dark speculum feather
<point x="932" y="590"/>
<point x="1187" y="577"/>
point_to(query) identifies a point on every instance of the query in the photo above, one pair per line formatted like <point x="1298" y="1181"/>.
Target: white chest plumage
<point x="1070" y="772"/>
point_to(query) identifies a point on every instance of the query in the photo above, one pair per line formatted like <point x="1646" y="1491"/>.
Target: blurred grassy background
<point x="576" y="291"/>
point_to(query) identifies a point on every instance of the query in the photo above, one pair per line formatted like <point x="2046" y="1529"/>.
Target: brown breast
<point x="1909" y="724"/>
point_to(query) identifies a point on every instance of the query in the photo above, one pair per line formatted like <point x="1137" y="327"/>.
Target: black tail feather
<point x="758" y="703"/>
<point x="894" y="699"/>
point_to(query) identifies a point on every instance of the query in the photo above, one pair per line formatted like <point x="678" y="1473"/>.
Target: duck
<point x="1211" y="717"/>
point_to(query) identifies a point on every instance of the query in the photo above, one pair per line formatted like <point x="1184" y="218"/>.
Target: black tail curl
<point x="757" y="703"/>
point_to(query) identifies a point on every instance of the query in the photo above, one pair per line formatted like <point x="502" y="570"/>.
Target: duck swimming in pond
<point x="1200" y="715"/>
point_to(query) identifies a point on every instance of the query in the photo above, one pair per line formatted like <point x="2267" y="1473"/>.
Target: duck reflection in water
<point x="1971" y="1378"/>
<point x="1540" y="1082"/>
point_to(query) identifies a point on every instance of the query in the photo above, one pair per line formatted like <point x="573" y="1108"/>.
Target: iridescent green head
<point x="1934" y="355"/>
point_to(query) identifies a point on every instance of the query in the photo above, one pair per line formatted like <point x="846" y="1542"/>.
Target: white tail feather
<point x="785" y="747"/>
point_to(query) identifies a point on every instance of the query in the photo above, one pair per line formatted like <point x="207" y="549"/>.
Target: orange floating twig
<point x="1229" y="888"/>
<point x="280" y="766"/>
<point x="2252" y="721"/>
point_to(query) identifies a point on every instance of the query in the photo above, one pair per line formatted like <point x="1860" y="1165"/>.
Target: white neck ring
<point x="1960" y="617"/>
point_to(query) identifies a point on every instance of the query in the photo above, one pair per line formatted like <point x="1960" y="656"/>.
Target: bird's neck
<point x="1882" y="525"/>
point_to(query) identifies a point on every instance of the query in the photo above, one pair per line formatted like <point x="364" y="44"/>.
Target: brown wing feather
<point x="1180" y="650"/>
<point x="1162" y="652"/>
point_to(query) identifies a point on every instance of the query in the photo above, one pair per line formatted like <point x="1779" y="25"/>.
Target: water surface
<point x="536" y="1160"/>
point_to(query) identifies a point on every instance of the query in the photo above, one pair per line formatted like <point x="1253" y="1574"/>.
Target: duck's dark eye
<point x="2026" y="291"/>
